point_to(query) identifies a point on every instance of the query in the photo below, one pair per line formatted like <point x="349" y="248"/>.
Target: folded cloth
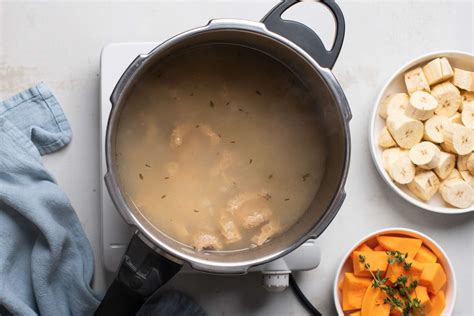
<point x="170" y="303"/>
<point x="46" y="262"/>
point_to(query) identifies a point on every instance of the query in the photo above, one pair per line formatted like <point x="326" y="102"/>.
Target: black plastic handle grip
<point x="141" y="273"/>
<point x="305" y="37"/>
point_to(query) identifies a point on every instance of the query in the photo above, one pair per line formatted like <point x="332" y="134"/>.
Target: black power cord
<point x="302" y="298"/>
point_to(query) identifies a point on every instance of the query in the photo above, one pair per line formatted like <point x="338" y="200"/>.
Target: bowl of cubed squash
<point x="422" y="132"/>
<point x="395" y="271"/>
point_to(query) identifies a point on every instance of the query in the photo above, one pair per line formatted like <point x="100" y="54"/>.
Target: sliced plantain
<point x="401" y="169"/>
<point x="446" y="165"/>
<point x="415" y="80"/>
<point x="448" y="97"/>
<point x="468" y="177"/>
<point x="445" y="148"/>
<point x="434" y="128"/>
<point x="456" y="118"/>
<point x="385" y="139"/>
<point x="424" y="185"/>
<point x="458" y="139"/>
<point x="457" y="193"/>
<point x="425" y="155"/>
<point x="438" y="70"/>
<point x="467" y="98"/>
<point x="421" y="106"/>
<point x="464" y="79"/>
<point x="461" y="162"/>
<point x="406" y="131"/>
<point x="394" y="103"/>
<point x="388" y="155"/>
<point x="470" y="163"/>
<point x="455" y="174"/>
<point x="467" y="115"/>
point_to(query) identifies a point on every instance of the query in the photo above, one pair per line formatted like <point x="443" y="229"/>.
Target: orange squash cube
<point x="421" y="293"/>
<point x="396" y="269"/>
<point x="373" y="303"/>
<point x="425" y="255"/>
<point x="364" y="247"/>
<point x="397" y="311"/>
<point x="353" y="291"/>
<point x="438" y="303"/>
<point x="340" y="284"/>
<point x="379" y="248"/>
<point x="433" y="277"/>
<point x="402" y="244"/>
<point x="376" y="259"/>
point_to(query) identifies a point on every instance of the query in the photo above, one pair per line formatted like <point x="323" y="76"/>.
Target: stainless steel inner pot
<point x="301" y="51"/>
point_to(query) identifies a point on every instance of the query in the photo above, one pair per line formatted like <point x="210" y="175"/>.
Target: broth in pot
<point x="220" y="148"/>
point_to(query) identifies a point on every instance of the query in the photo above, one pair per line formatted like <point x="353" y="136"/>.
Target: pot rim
<point x="117" y="195"/>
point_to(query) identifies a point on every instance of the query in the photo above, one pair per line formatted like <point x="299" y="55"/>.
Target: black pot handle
<point x="305" y="37"/>
<point x="142" y="271"/>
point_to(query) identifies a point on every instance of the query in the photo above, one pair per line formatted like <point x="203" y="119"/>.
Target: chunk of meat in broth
<point x="179" y="133"/>
<point x="219" y="170"/>
<point x="224" y="162"/>
<point x="229" y="229"/>
<point x="206" y="241"/>
<point x="251" y="209"/>
<point x="266" y="232"/>
<point x="209" y="132"/>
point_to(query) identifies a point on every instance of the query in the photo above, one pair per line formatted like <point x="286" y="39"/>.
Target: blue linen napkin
<point x="46" y="262"/>
<point x="171" y="302"/>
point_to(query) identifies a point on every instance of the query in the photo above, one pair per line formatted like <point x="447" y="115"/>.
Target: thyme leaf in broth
<point x="227" y="103"/>
<point x="270" y="176"/>
<point x="166" y="178"/>
<point x="147" y="165"/>
<point x="305" y="176"/>
<point x="287" y="199"/>
<point x="232" y="141"/>
<point x="196" y="211"/>
<point x="267" y="196"/>
<point x="163" y="196"/>
<point x="250" y="161"/>
<point x="258" y="92"/>
<point x="140" y="176"/>
<point x="197" y="126"/>
<point x="241" y="110"/>
<point x="191" y="94"/>
<point x="211" y="104"/>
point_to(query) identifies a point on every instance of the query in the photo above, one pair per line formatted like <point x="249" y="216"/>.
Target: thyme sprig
<point x="404" y="303"/>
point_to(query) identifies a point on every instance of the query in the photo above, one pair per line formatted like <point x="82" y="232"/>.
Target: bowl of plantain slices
<point x="422" y="132"/>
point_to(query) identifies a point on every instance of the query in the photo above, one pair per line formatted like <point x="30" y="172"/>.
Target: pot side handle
<point x="142" y="271"/>
<point x="305" y="37"/>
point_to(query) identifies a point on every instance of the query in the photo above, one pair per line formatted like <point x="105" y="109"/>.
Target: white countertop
<point x="60" y="43"/>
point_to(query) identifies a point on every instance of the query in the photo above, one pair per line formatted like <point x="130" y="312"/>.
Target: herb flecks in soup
<point x="220" y="148"/>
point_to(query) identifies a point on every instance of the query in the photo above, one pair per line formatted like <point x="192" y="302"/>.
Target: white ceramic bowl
<point x="397" y="84"/>
<point x="450" y="288"/>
